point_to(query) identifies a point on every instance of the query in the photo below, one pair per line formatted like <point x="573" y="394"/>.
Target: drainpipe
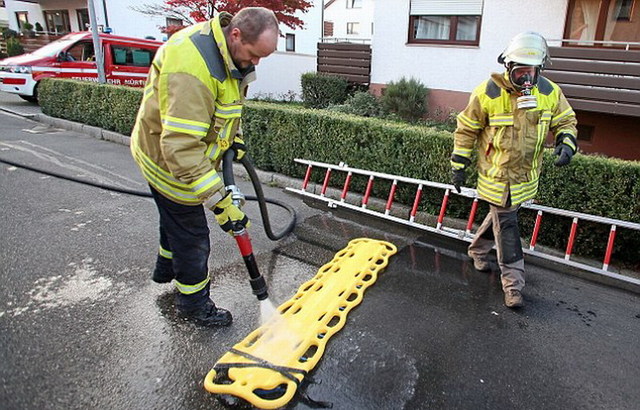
<point x="106" y="17"/>
<point x="322" y="22"/>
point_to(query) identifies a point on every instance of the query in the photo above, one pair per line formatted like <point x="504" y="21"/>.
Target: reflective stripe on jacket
<point x="190" y="113"/>
<point x="510" y="141"/>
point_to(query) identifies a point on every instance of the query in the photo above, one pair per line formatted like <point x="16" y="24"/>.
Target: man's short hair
<point x="253" y="21"/>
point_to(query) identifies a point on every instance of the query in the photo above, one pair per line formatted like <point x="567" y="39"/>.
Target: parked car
<point x="126" y="62"/>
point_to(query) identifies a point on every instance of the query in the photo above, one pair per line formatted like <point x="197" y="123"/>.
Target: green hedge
<point x="106" y="106"/>
<point x="277" y="134"/>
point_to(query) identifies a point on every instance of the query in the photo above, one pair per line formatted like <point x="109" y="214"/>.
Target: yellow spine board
<point x="267" y="366"/>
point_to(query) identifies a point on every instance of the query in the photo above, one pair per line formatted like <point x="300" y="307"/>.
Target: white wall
<point x="126" y="22"/>
<point x="306" y="38"/>
<point x="4" y="17"/>
<point x="280" y="73"/>
<point x="340" y="15"/>
<point x="458" y="68"/>
<point x="122" y="20"/>
<point x="34" y="14"/>
<point x="70" y="5"/>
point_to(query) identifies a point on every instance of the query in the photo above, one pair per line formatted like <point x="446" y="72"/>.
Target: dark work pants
<point x="500" y="227"/>
<point x="184" y="232"/>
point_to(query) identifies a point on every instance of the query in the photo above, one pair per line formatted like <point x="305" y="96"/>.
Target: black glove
<point x="229" y="216"/>
<point x="565" y="148"/>
<point x="458" y="166"/>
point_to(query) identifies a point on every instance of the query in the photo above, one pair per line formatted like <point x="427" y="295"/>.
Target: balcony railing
<point x="604" y="80"/>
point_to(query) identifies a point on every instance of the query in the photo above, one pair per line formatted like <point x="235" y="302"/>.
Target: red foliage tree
<point x="192" y="11"/>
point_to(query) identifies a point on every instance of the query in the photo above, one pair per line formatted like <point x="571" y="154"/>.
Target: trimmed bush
<point x="106" y="106"/>
<point x="361" y="103"/>
<point x="406" y="99"/>
<point x="320" y="91"/>
<point x="14" y="48"/>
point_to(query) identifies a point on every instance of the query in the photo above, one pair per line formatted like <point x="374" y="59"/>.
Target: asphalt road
<point x="82" y="325"/>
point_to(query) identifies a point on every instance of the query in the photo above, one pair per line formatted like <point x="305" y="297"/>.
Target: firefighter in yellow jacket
<point x="507" y="121"/>
<point x="190" y="115"/>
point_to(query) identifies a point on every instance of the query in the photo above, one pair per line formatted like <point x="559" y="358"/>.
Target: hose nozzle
<point x="256" y="280"/>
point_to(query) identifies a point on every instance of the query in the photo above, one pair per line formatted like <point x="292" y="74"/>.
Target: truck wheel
<point x="32" y="98"/>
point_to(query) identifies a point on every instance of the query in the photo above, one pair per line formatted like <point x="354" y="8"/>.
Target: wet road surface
<point x="82" y="326"/>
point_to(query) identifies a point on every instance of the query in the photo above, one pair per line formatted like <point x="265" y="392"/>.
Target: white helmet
<point x="527" y="48"/>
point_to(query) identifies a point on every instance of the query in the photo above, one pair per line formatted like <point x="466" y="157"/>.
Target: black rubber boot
<point x="163" y="273"/>
<point x="201" y="310"/>
<point x="209" y="315"/>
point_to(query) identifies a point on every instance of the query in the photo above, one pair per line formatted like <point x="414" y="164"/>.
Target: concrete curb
<point x="95" y="132"/>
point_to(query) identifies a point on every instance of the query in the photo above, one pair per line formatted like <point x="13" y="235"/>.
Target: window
<point x="585" y="132"/>
<point x="57" y="21"/>
<point x="445" y="22"/>
<point x="353" y="28"/>
<point x="624" y="10"/>
<point x="290" y="42"/>
<point x="174" y="22"/>
<point x="82" y="51"/>
<point x="354" y="4"/>
<point x="132" y="56"/>
<point x="83" y="19"/>
<point x="595" y="22"/>
<point x="328" y="29"/>
<point x="22" y="17"/>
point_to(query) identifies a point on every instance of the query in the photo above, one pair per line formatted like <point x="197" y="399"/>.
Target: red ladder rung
<point x="443" y="209"/>
<point x="325" y="184"/>
<point x="536" y="230"/>
<point x="572" y="237"/>
<point x="345" y="189"/>
<point x="367" y="192"/>
<point x="307" y="175"/>
<point x="472" y="215"/>
<point x="416" y="202"/>
<point x="392" y="192"/>
<point x="607" y="254"/>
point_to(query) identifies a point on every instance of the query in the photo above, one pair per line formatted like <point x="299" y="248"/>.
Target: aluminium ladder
<point x="459" y="234"/>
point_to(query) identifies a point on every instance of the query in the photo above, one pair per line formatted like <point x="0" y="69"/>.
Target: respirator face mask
<point x="524" y="78"/>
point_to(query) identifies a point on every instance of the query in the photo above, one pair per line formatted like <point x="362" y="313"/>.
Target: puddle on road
<point x="84" y="285"/>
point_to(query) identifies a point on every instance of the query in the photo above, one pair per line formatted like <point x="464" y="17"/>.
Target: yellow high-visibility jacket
<point x="190" y="113"/>
<point x="509" y="141"/>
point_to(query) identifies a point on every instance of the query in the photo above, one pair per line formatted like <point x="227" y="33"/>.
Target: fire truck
<point x="126" y="62"/>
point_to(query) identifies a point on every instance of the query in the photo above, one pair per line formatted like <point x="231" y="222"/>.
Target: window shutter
<point x="446" y="7"/>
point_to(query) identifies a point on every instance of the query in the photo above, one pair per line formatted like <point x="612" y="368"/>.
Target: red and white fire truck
<point x="126" y="62"/>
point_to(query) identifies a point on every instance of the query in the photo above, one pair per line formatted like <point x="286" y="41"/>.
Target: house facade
<point x="452" y="46"/>
<point x="278" y="76"/>
<point x="64" y="16"/>
<point x="4" y="16"/>
<point x="348" y="20"/>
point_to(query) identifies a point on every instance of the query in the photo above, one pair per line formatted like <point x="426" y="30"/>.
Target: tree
<point x="193" y="11"/>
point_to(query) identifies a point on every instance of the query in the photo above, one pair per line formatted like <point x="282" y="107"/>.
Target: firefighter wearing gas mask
<point x="506" y="122"/>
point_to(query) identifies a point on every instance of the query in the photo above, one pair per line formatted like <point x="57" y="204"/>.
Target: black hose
<point x="246" y="161"/>
<point x="81" y="181"/>
<point x="229" y="179"/>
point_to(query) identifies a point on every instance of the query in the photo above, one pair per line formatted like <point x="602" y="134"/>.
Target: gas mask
<point x="524" y="78"/>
